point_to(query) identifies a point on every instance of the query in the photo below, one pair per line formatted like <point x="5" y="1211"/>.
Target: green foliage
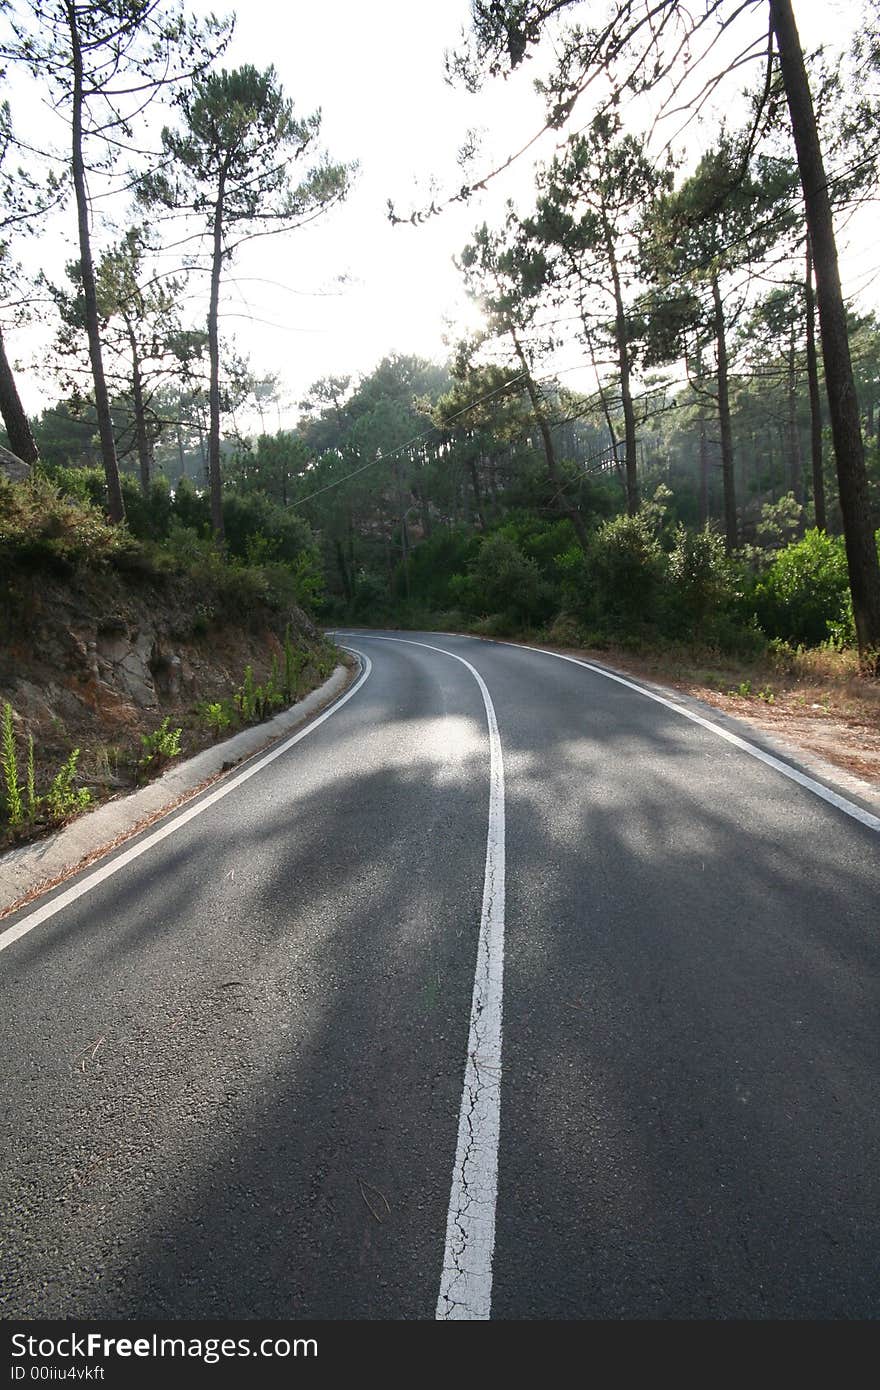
<point x="540" y="539"/>
<point x="308" y="580"/>
<point x="191" y="508"/>
<point x="780" y="521"/>
<point x="217" y="716"/>
<point x="9" y="763"/>
<point x="241" y="122"/>
<point x="259" y="530"/>
<point x="434" y="562"/>
<point x="159" y="747"/>
<point x="290" y="670"/>
<point x="370" y="599"/>
<point x="148" y="517"/>
<point x="803" y="596"/>
<point x="246" y="697"/>
<point x="63" y="799"/>
<point x="41" y="528"/>
<point x="30" y="780"/>
<point x="702" y="580"/>
<point x="626" y="566"/>
<point x="505" y="582"/>
<point x="274" y="691"/>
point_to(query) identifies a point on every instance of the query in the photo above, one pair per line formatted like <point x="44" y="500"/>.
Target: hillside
<point x="102" y="641"/>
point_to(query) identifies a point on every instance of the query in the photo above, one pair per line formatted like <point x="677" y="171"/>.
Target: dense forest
<point x="720" y="480"/>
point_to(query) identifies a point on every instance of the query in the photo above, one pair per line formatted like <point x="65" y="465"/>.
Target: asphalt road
<point x="234" y="1072"/>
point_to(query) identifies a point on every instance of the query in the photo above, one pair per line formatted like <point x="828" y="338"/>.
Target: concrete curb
<point x="44" y="863"/>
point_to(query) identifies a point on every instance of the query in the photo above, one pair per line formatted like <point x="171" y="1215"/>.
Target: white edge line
<point x="466" y="1280"/>
<point x="84" y="885"/>
<point x="849" y="808"/>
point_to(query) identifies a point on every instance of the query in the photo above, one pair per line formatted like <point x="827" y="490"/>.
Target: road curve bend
<point x="257" y="1069"/>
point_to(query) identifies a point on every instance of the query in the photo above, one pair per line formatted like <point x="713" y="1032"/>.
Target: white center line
<point x="466" y="1280"/>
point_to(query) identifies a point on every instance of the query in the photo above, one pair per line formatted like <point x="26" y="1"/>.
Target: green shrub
<point x="507" y="583"/>
<point x="803" y="596"/>
<point x="435" y="561"/>
<point x="627" y="566"/>
<point x="370" y="601"/>
<point x="272" y="532"/>
<point x="702" y="586"/>
<point x="565" y="631"/>
<point x="61" y="801"/>
<point x="540" y="540"/>
<point x="40" y="528"/>
<point x="30" y="781"/>
<point x="192" y="508"/>
<point x="149" y="516"/>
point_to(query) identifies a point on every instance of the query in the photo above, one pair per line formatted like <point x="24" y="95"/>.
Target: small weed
<point x="294" y="665"/>
<point x="217" y="715"/>
<point x="105" y="762"/>
<point x="274" y="692"/>
<point x="160" y="747"/>
<point x="767" y="695"/>
<point x="9" y="763"/>
<point x="245" y="700"/>
<point x="60" y="802"/>
<point x="32" y="800"/>
<point x="63" y="799"/>
<point x="744" y="689"/>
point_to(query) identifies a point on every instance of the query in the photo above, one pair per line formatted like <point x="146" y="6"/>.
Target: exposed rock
<point x="99" y="659"/>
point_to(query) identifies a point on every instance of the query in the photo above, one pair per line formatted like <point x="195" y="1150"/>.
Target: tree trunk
<point x="180" y="456"/>
<point x="727" y="475"/>
<point x="404" y="537"/>
<point x="144" y="452"/>
<point x="115" y="504"/>
<point x="572" y="513"/>
<point x="424" y="511"/>
<point x="815" y="396"/>
<point x="214" y="475"/>
<point x="344" y="575"/>
<point x="621" y="340"/>
<point x="21" y="440"/>
<point x="493" y="481"/>
<point x="475" y="484"/>
<point x="606" y="410"/>
<point x="795" y="460"/>
<point x="858" y="530"/>
<point x="704" y="473"/>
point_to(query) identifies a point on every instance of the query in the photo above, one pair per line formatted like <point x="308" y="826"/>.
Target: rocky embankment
<point x="98" y="659"/>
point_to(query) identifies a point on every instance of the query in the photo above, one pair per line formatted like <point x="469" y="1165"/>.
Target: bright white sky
<point x="376" y="70"/>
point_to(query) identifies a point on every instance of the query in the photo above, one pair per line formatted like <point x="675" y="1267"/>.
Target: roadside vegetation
<point x="240" y="616"/>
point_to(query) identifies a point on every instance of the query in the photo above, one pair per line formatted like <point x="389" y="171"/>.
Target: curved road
<point x="507" y="991"/>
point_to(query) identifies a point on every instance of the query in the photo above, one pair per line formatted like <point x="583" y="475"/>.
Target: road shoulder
<point x="33" y="869"/>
